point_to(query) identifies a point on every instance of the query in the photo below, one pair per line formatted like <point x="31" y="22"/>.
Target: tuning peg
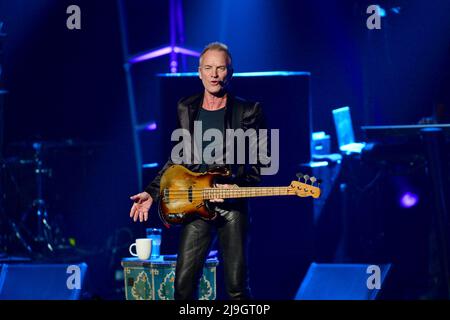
<point x="313" y="179"/>
<point x="306" y="177"/>
<point x="299" y="175"/>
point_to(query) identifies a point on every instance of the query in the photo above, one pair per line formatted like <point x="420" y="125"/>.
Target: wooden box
<point x="154" y="280"/>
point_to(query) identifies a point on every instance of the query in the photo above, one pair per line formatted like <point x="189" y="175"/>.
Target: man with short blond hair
<point x="216" y="108"/>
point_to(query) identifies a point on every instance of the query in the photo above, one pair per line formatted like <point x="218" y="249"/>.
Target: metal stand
<point x="43" y="228"/>
<point x="38" y="239"/>
<point x="8" y="228"/>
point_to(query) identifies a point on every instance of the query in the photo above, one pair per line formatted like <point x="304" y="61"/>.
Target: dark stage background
<point x="68" y="87"/>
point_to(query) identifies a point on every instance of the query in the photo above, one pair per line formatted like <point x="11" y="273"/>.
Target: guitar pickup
<point x="190" y="194"/>
<point x="166" y="195"/>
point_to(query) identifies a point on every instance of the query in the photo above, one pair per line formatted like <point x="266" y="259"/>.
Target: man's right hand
<point x="142" y="203"/>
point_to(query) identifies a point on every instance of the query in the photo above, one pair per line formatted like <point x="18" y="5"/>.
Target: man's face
<point x="214" y="71"/>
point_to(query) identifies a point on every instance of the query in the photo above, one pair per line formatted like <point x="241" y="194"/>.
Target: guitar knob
<point x="306" y="177"/>
<point x="299" y="175"/>
<point x="313" y="180"/>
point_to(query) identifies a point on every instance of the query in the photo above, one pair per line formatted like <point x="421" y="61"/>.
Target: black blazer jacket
<point x="239" y="113"/>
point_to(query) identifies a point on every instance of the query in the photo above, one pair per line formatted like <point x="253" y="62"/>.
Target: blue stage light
<point x="150" y="165"/>
<point x="151" y="126"/>
<point x="396" y="10"/>
<point x="408" y="200"/>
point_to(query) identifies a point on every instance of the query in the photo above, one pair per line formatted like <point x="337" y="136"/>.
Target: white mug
<point x="143" y="248"/>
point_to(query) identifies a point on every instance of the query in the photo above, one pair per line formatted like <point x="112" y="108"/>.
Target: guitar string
<point x="226" y="192"/>
<point x="234" y="190"/>
<point x="241" y="189"/>
<point x="200" y="194"/>
<point x="211" y="198"/>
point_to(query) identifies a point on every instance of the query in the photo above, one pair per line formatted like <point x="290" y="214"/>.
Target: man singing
<point x="216" y="108"/>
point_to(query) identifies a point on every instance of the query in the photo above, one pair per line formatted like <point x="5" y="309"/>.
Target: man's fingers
<point x="141" y="216"/>
<point x="221" y="186"/>
<point x="225" y="186"/>
<point x="145" y="215"/>
<point x="133" y="210"/>
<point x="136" y="213"/>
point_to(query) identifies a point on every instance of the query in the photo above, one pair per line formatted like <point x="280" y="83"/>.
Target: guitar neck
<point x="245" y="192"/>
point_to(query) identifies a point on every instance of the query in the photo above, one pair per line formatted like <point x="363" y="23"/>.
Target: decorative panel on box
<point x="154" y="280"/>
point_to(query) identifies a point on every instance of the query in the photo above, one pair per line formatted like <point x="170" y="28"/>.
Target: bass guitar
<point x="184" y="194"/>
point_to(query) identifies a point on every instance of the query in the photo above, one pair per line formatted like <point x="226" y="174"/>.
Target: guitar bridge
<point x="175" y="216"/>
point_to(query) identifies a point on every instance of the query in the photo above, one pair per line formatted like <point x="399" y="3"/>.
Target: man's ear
<point x="199" y="73"/>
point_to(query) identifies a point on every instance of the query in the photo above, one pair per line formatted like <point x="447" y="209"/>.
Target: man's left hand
<point x="223" y="186"/>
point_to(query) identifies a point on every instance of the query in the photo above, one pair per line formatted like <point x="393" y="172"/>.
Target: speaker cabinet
<point x="42" y="281"/>
<point x="342" y="282"/>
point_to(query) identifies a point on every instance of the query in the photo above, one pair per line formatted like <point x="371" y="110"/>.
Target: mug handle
<point x="131" y="252"/>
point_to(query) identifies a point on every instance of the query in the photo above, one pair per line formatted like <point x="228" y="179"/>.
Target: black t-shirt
<point x="210" y="120"/>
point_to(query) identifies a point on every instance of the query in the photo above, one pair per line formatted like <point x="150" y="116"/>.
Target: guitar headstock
<point x="305" y="189"/>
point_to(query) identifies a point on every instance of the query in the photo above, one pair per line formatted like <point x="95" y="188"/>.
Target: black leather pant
<point x="194" y="247"/>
